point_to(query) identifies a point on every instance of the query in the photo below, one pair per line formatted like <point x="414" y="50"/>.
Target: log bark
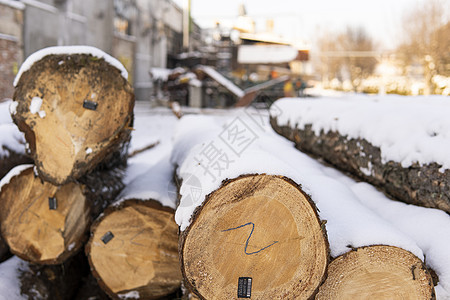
<point x="377" y="272"/>
<point x="23" y="280"/>
<point x="256" y="236"/>
<point x="45" y="223"/>
<point x="424" y="185"/>
<point x="133" y="250"/>
<point x="75" y="110"/>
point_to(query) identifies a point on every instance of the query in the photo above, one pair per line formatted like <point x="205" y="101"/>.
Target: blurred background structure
<point x="239" y="58"/>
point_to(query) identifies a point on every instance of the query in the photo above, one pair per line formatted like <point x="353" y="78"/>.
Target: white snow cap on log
<point x="12" y="173"/>
<point x="349" y="222"/>
<point x="38" y="55"/>
<point x="9" y="278"/>
<point x="406" y="129"/>
<point x="155" y="183"/>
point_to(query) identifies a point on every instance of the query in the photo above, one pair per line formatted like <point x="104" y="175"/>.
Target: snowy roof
<point x="222" y="80"/>
<point x="38" y="55"/>
<point x="266" y="54"/>
<point x="14" y="4"/>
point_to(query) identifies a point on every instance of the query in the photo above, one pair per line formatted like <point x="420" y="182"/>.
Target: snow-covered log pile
<point x="133" y="249"/>
<point x="399" y="144"/>
<point x="75" y="108"/>
<point x="241" y="190"/>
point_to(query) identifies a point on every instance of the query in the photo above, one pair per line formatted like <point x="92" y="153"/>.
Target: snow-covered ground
<point x="356" y="213"/>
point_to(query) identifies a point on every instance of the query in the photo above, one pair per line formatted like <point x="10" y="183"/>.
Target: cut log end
<point x="83" y="102"/>
<point x="377" y="272"/>
<point x="41" y="222"/>
<point x="134" y="249"/>
<point x="257" y="235"/>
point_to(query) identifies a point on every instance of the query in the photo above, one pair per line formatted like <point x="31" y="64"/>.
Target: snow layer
<point x="349" y="222"/>
<point x="35" y="105"/>
<point x="12" y="173"/>
<point x="406" y="129"/>
<point x="228" y="84"/>
<point x="12" y="138"/>
<point x="5" y="116"/>
<point x="38" y="55"/>
<point x="9" y="278"/>
<point x="13" y="3"/>
<point x="156" y="184"/>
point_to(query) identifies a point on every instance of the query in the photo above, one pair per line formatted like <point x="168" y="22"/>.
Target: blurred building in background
<point x="142" y="34"/>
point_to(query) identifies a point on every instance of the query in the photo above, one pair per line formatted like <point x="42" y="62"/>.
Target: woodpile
<point x="260" y="236"/>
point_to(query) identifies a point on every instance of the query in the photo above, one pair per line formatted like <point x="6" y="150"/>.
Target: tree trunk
<point x="377" y="272"/>
<point x="424" y="185"/>
<point x="45" y="223"/>
<point x="23" y="280"/>
<point x="133" y="250"/>
<point x="256" y="236"/>
<point x="75" y="110"/>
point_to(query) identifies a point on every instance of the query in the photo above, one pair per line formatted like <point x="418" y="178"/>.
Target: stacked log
<point x="377" y="272"/>
<point x="23" y="280"/>
<point x="253" y="232"/>
<point x="75" y="108"/>
<point x="253" y="235"/>
<point x="424" y="184"/>
<point x="133" y="249"/>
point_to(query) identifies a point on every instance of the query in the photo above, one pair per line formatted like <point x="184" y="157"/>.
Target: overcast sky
<point x="303" y="19"/>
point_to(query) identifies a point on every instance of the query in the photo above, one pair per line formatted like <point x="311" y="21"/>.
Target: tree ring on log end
<point x="261" y="227"/>
<point x="73" y="110"/>
<point x="140" y="253"/>
<point x="34" y="230"/>
<point x="377" y="272"/>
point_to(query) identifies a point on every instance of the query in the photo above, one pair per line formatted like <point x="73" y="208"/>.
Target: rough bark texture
<point x="86" y="114"/>
<point x="419" y="185"/>
<point x="377" y="272"/>
<point x="236" y="236"/>
<point x="133" y="250"/>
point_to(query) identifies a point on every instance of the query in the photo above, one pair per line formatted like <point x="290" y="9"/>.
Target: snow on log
<point x="22" y="280"/>
<point x="12" y="141"/>
<point x="41" y="222"/>
<point x="377" y="272"/>
<point x="133" y="249"/>
<point x="399" y="144"/>
<point x="253" y="235"/>
<point x="349" y="223"/>
<point x="75" y="107"/>
<point x="4" y="250"/>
